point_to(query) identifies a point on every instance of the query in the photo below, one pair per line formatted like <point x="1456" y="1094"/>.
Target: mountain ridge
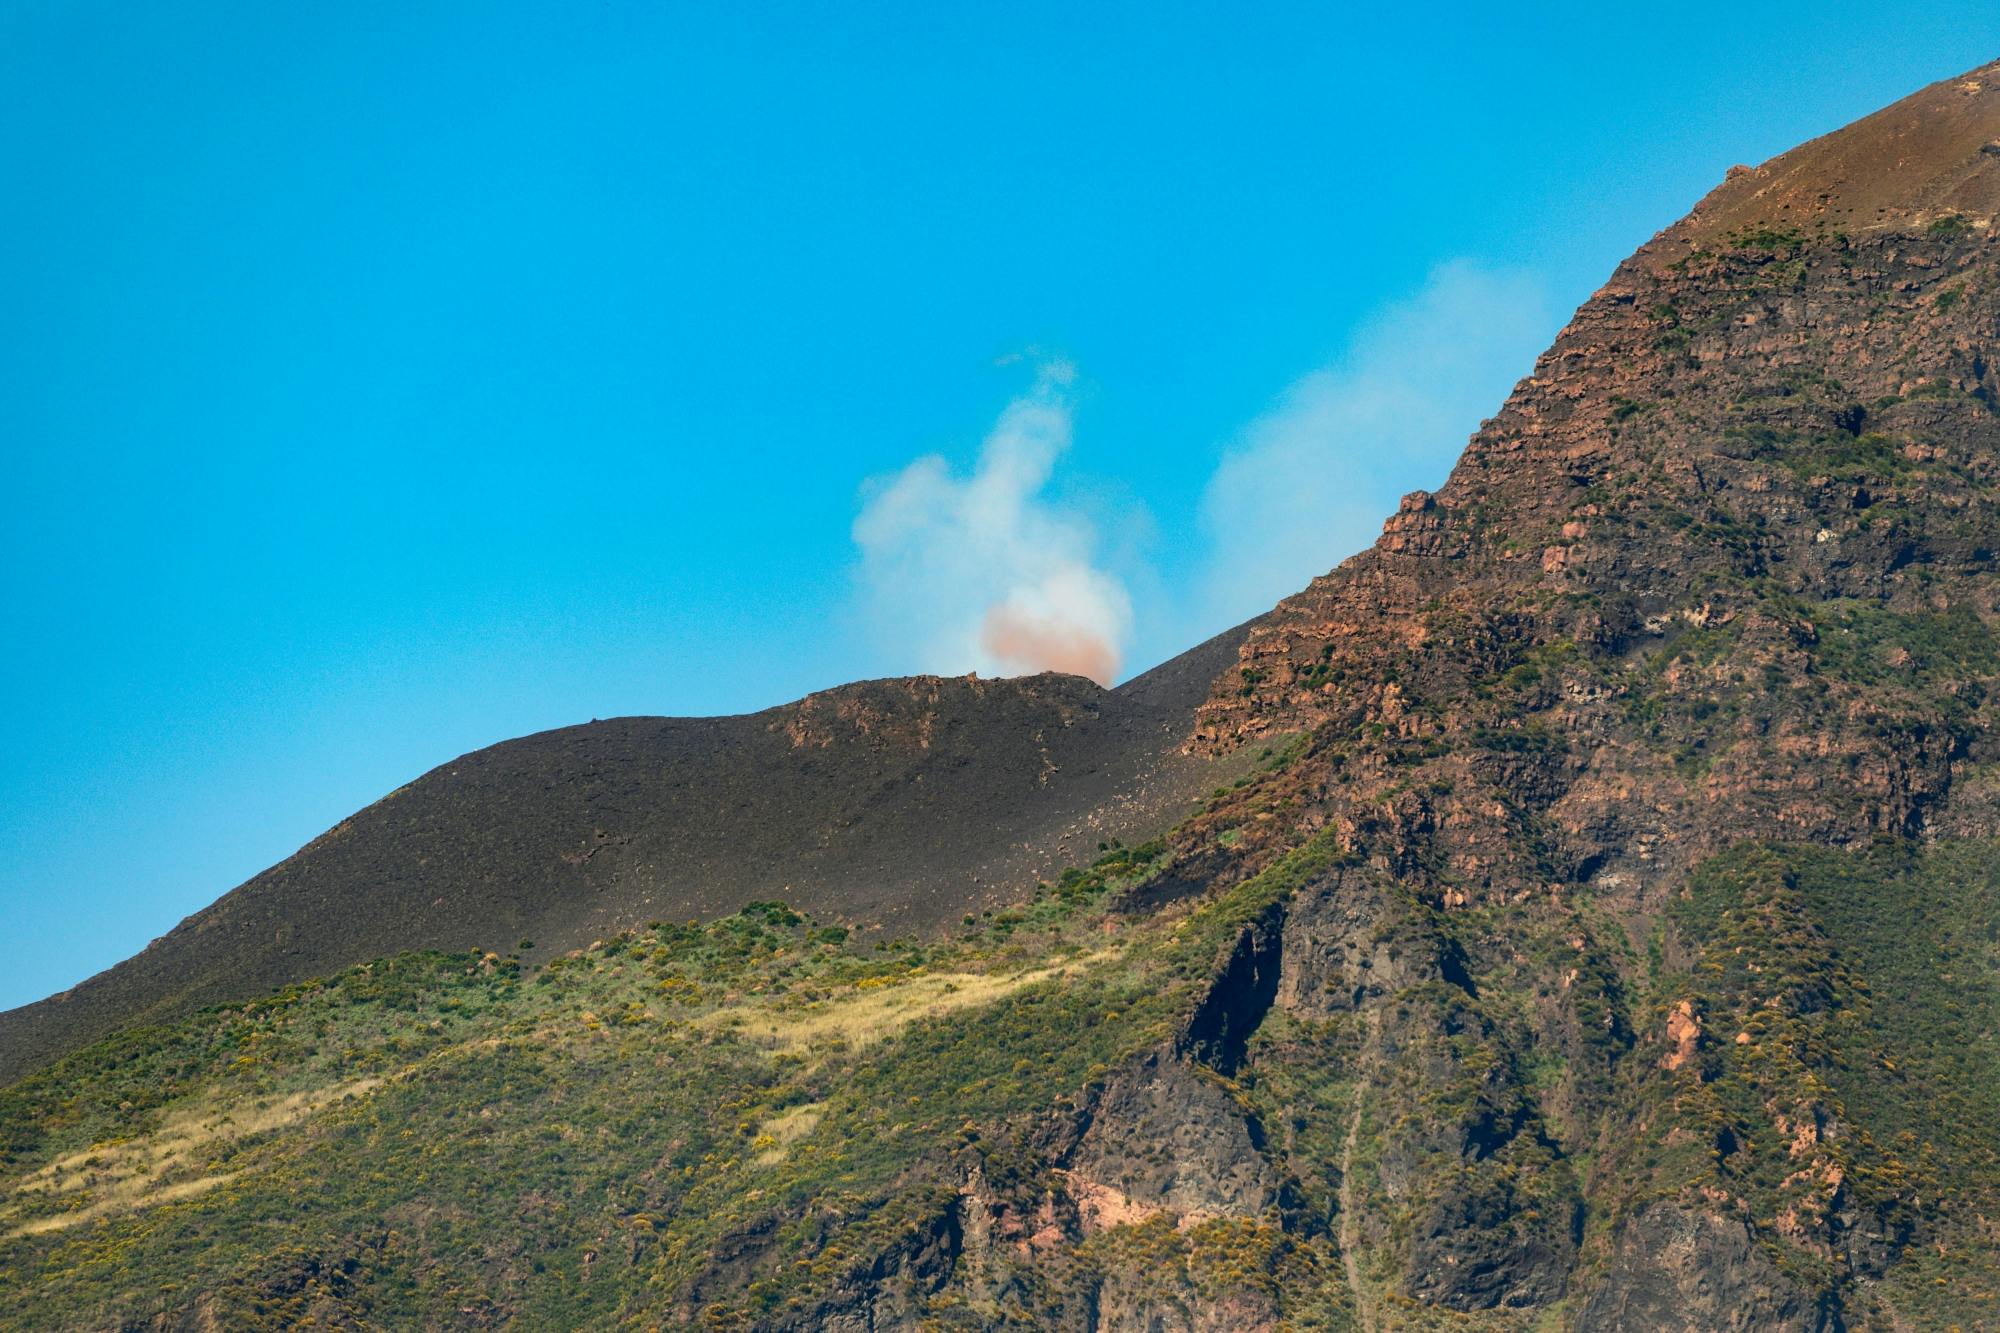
<point x="1929" y="155"/>
<point x="922" y="799"/>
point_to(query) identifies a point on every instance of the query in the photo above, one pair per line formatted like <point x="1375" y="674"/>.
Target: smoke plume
<point x="989" y="572"/>
<point x="986" y="571"/>
<point x="1308" y="483"/>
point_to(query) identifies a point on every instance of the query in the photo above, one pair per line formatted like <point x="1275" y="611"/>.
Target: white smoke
<point x="1308" y="483"/>
<point x="985" y="572"/>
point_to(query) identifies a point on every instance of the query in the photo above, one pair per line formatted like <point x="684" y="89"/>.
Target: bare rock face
<point x="1474" y="1254"/>
<point x="1683" y="1270"/>
<point x="1698" y="489"/>
<point x="1165" y="1139"/>
<point x="1345" y="948"/>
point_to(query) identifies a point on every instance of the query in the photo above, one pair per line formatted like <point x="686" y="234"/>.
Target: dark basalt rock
<point x="1165" y="1136"/>
<point x="1238" y="997"/>
<point x="1474" y="1253"/>
<point x="1679" y="1270"/>
<point x="1346" y="947"/>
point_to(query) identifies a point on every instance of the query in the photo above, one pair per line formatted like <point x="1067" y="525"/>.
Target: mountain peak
<point x="1934" y="154"/>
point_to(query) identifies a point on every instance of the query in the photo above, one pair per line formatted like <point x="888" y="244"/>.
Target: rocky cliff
<point x="1719" y="573"/>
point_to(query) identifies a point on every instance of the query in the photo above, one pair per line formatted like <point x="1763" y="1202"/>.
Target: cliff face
<point x="1721" y="569"/>
<point x="1604" y="932"/>
<point x="1720" y="573"/>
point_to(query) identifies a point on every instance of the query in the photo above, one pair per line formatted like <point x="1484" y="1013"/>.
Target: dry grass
<point x="119" y="1177"/>
<point x="878" y="1011"/>
<point x="105" y="1207"/>
<point x="776" y="1136"/>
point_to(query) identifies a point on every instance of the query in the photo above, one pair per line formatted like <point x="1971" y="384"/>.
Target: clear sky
<point x="382" y="380"/>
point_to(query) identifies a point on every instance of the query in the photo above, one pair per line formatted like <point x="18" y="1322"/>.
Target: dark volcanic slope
<point x="893" y="804"/>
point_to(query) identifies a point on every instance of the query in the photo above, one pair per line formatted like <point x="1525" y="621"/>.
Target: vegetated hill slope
<point x="894" y="804"/>
<point x="1615" y="945"/>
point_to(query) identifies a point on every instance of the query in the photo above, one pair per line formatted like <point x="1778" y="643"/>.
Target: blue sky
<point x="382" y="380"/>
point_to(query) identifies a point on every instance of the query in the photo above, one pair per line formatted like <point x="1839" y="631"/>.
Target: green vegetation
<point x="1844" y="1078"/>
<point x="1836" y="455"/>
<point x="1768" y="239"/>
<point x="1434" y="988"/>
<point x="1870" y="645"/>
<point x="440" y="1133"/>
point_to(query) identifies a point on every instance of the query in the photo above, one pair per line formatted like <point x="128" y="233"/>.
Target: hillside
<point x="1930" y="156"/>
<point x="894" y="805"/>
<point x="1602" y="930"/>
